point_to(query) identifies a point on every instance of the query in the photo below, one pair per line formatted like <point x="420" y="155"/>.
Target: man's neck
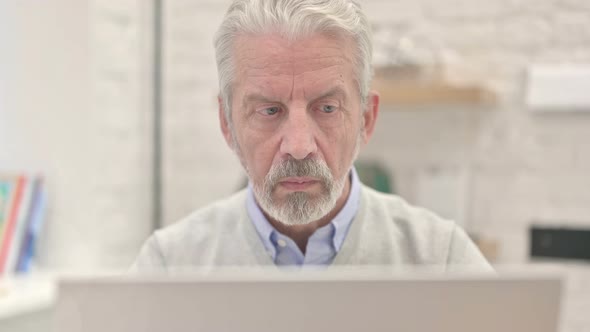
<point x="300" y="234"/>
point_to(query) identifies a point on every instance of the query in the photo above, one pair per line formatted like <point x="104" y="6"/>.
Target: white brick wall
<point x="198" y="166"/>
<point x="120" y="182"/>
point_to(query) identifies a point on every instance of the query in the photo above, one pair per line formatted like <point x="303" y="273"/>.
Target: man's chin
<point x="299" y="208"/>
<point x="300" y="199"/>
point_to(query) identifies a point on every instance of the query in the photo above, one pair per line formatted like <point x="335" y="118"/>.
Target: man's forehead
<point x="271" y="51"/>
<point x="272" y="68"/>
<point x="285" y="84"/>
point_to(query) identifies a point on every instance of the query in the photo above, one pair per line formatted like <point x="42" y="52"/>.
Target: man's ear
<point x="223" y="123"/>
<point x="370" y="115"/>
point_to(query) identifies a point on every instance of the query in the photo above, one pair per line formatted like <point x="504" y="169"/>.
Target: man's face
<point x="297" y="122"/>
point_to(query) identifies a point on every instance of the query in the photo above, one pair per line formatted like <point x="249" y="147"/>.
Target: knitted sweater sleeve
<point x="463" y="254"/>
<point x="150" y="257"/>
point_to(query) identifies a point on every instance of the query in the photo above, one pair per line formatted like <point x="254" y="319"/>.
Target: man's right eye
<point x="270" y="110"/>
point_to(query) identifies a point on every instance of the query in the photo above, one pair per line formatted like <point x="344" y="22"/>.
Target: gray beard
<point x="299" y="208"/>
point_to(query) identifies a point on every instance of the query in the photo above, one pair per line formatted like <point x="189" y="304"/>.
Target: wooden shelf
<point x="412" y="93"/>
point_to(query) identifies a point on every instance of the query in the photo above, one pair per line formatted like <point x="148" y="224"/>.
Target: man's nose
<point x="298" y="137"/>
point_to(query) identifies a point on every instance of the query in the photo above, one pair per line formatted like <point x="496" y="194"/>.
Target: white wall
<point x="58" y="118"/>
<point x="518" y="167"/>
<point x="198" y="166"/>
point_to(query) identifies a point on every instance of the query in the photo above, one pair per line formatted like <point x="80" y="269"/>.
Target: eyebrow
<point x="335" y="91"/>
<point x="257" y="97"/>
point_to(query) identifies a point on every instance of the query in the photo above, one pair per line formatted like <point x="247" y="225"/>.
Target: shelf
<point x="24" y="296"/>
<point x="408" y="93"/>
<point x="406" y="87"/>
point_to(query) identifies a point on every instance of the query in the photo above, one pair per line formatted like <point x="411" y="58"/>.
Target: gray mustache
<point x="299" y="168"/>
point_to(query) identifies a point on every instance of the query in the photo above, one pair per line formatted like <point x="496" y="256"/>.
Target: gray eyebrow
<point x="257" y="97"/>
<point x="335" y="91"/>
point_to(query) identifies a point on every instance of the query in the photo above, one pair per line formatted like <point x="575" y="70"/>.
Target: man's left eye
<point x="271" y="110"/>
<point x="328" y="108"/>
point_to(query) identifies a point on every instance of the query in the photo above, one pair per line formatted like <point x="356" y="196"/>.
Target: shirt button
<point x="282" y="243"/>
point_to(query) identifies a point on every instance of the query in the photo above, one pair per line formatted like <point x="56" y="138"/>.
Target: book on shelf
<point x="22" y="212"/>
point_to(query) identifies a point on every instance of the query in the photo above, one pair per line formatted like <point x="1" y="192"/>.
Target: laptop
<point x="342" y="301"/>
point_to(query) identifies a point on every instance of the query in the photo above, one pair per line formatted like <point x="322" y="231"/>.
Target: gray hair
<point x="292" y="19"/>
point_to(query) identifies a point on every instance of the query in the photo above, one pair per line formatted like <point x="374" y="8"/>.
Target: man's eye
<point x="328" y="108"/>
<point x="270" y="110"/>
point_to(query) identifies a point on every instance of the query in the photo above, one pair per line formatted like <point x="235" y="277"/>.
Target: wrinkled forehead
<point x="272" y="56"/>
<point x="311" y="52"/>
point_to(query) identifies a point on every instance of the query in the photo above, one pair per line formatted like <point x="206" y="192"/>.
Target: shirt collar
<point x="344" y="218"/>
<point x="262" y="225"/>
<point x="340" y="224"/>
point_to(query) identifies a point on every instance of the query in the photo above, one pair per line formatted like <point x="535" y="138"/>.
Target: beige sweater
<point x="385" y="231"/>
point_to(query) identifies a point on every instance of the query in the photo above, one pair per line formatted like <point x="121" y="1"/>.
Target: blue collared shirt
<point x="324" y="243"/>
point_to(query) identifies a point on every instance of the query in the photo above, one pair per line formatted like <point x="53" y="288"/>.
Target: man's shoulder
<point x="199" y="238"/>
<point x="418" y="235"/>
<point x="222" y="214"/>
<point x="394" y="208"/>
<point x="412" y="234"/>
